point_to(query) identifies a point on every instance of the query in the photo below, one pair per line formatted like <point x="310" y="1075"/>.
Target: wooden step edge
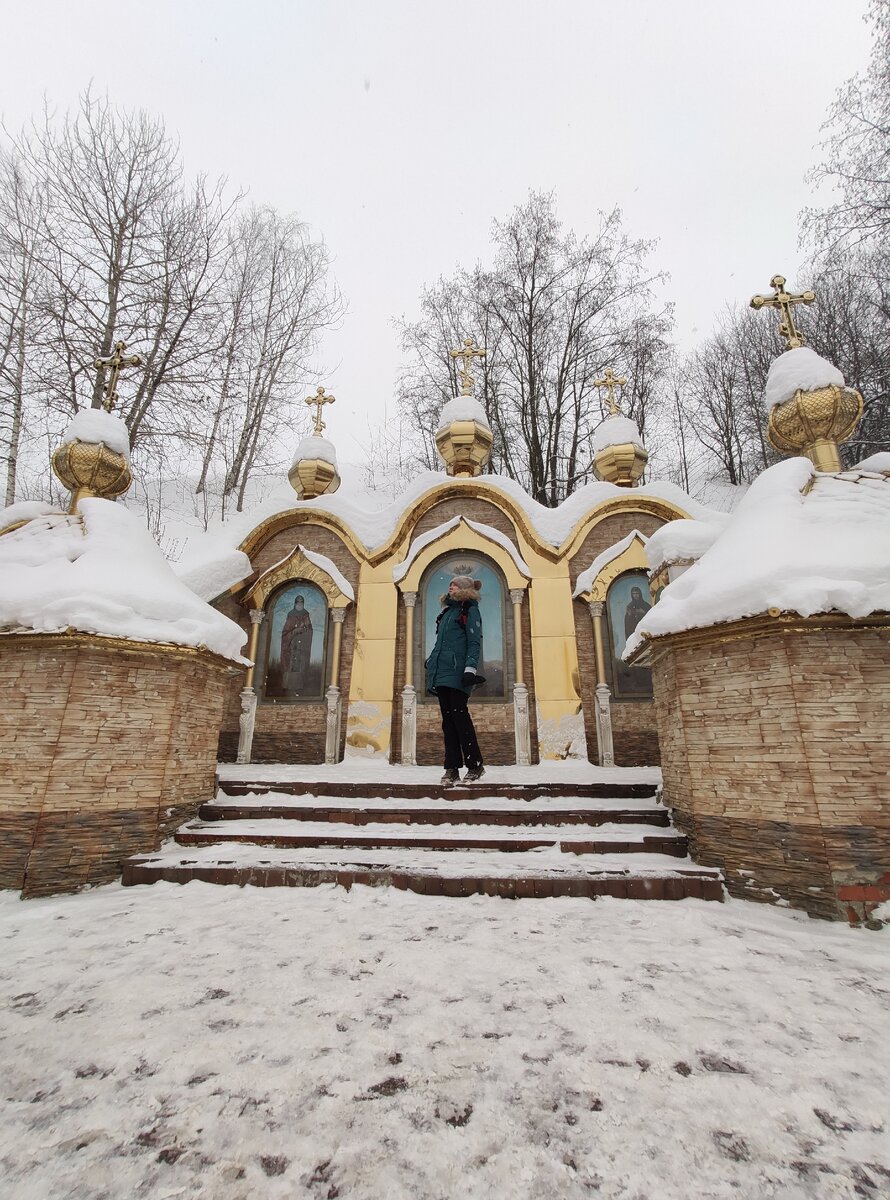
<point x="672" y="887"/>
<point x="419" y="791"/>
<point x="676" y="846"/>
<point x="657" y="817"/>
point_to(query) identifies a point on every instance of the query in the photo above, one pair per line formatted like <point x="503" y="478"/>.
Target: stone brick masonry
<point x="775" y="748"/>
<point x="105" y="748"/>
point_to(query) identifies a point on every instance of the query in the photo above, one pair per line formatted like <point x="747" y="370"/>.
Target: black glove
<point x="469" y="679"/>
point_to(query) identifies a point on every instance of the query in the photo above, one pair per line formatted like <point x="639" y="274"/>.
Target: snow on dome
<point x="95" y="425"/>
<point x="315" y="447"/>
<point x="796" y="370"/>
<point x="25" y="510"/>
<point x="615" y="431"/>
<point x="682" y="541"/>
<point x="824" y="551"/>
<point x="462" y="408"/>
<point x="101" y="572"/>
<point x="879" y="463"/>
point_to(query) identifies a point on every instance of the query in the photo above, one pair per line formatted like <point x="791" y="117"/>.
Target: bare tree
<point x="552" y="311"/>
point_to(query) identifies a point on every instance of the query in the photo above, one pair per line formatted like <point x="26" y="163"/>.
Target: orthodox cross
<point x="784" y="301"/>
<point x="319" y="400"/>
<point x="610" y="381"/>
<point x="114" y="362"/>
<point x="466" y="355"/>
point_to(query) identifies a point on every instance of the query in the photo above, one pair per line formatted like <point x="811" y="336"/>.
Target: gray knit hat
<point x="464" y="582"/>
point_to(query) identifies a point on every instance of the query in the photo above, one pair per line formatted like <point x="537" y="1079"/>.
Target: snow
<point x="879" y="463"/>
<point x="796" y="370"/>
<point x="615" y="431"/>
<point x="223" y="1043"/>
<point x="585" y="580"/>
<point x="25" y="510"/>
<point x="330" y="568"/>
<point x="96" y="425"/>
<point x="799" y="541"/>
<point x="219" y="569"/>
<point x="374" y="517"/>
<point x="462" y="408"/>
<point x="682" y="541"/>
<point x="101" y="572"/>
<point x="315" y="447"/>
<point x="433" y="535"/>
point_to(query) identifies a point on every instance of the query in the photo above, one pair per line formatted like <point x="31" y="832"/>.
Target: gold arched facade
<point x="550" y="634"/>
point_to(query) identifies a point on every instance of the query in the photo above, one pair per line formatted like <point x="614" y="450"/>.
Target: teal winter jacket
<point x="458" y="644"/>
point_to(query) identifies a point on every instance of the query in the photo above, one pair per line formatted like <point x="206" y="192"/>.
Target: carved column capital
<point x="338" y="615"/>
<point x="596" y="607"/>
<point x="517" y="595"/>
<point x="256" y="616"/>
<point x="409" y="598"/>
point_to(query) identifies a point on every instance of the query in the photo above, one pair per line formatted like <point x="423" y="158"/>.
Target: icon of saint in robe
<point x="635" y="611"/>
<point x="296" y="647"/>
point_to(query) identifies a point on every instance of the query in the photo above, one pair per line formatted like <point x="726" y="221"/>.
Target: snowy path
<point x="221" y="1043"/>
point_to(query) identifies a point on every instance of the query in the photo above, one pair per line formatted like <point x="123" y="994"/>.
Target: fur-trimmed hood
<point x="460" y="594"/>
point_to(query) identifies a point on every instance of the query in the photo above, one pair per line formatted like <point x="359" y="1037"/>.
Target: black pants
<point x="461" y="747"/>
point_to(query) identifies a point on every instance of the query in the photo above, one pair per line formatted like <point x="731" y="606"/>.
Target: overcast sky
<point x="399" y="130"/>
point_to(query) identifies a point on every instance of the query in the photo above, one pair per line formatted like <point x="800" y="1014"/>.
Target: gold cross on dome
<point x="610" y="381"/>
<point x="784" y="301"/>
<point x="466" y="355"/>
<point x="319" y="400"/>
<point x="114" y="362"/>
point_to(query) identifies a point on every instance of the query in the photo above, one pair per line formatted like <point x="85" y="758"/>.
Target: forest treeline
<point x="104" y="238"/>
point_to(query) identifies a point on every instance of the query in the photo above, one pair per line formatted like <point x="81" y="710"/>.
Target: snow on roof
<point x="25" y="510"/>
<point x="615" y="431"/>
<point x="683" y="541"/>
<point x="96" y="425"/>
<point x="586" y="579"/>
<point x="800" y="541"/>
<point x="315" y="447"/>
<point x="373" y="516"/>
<point x="799" y="370"/>
<point x="218" y="569"/>
<point x="101" y="572"/>
<point x="433" y="535"/>
<point x="330" y="568"/>
<point x="462" y="408"/>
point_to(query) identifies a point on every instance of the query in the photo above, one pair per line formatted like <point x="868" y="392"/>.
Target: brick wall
<point x="776" y="755"/>
<point x="105" y="751"/>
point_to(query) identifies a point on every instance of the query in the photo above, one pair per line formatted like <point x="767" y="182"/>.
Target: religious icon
<point x="635" y="611"/>
<point x="292" y="654"/>
<point x="628" y="602"/>
<point x="296" y="647"/>
<point x="491" y="605"/>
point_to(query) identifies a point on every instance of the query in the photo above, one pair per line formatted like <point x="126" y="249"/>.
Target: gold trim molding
<point x="764" y="625"/>
<point x="631" y="558"/>
<point x="73" y="639"/>
<point x="295" y="566"/>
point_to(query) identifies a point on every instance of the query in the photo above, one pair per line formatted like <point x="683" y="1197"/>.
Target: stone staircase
<point x="528" y="837"/>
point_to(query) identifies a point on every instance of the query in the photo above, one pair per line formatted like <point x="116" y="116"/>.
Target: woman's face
<point x="453" y="588"/>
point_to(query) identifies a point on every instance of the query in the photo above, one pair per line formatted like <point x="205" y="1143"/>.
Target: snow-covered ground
<point x="213" y="1042"/>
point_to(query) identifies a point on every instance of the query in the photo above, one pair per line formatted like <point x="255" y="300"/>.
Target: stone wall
<point x="775" y="749"/>
<point x="108" y="747"/>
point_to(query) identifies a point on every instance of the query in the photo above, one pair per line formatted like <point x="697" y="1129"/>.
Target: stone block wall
<point x="775" y="747"/>
<point x="105" y="748"/>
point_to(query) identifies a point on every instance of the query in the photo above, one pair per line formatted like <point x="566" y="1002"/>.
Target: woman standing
<point x="451" y="673"/>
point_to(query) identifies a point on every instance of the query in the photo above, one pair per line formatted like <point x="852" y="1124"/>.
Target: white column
<point x="521" y="728"/>
<point x="602" y="702"/>
<point x="333" y="699"/>
<point x="247" y="718"/>
<point x="409" y="692"/>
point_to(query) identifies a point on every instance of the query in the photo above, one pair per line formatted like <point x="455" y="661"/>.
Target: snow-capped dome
<point x="95" y="425"/>
<point x="462" y="408"/>
<point x="615" y="431"/>
<point x="796" y="370"/>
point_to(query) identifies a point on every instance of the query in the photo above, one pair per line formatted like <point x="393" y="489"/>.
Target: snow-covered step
<point x="397" y="786"/>
<point x="484" y="810"/>
<point x="536" y="873"/>
<point x="573" y="839"/>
